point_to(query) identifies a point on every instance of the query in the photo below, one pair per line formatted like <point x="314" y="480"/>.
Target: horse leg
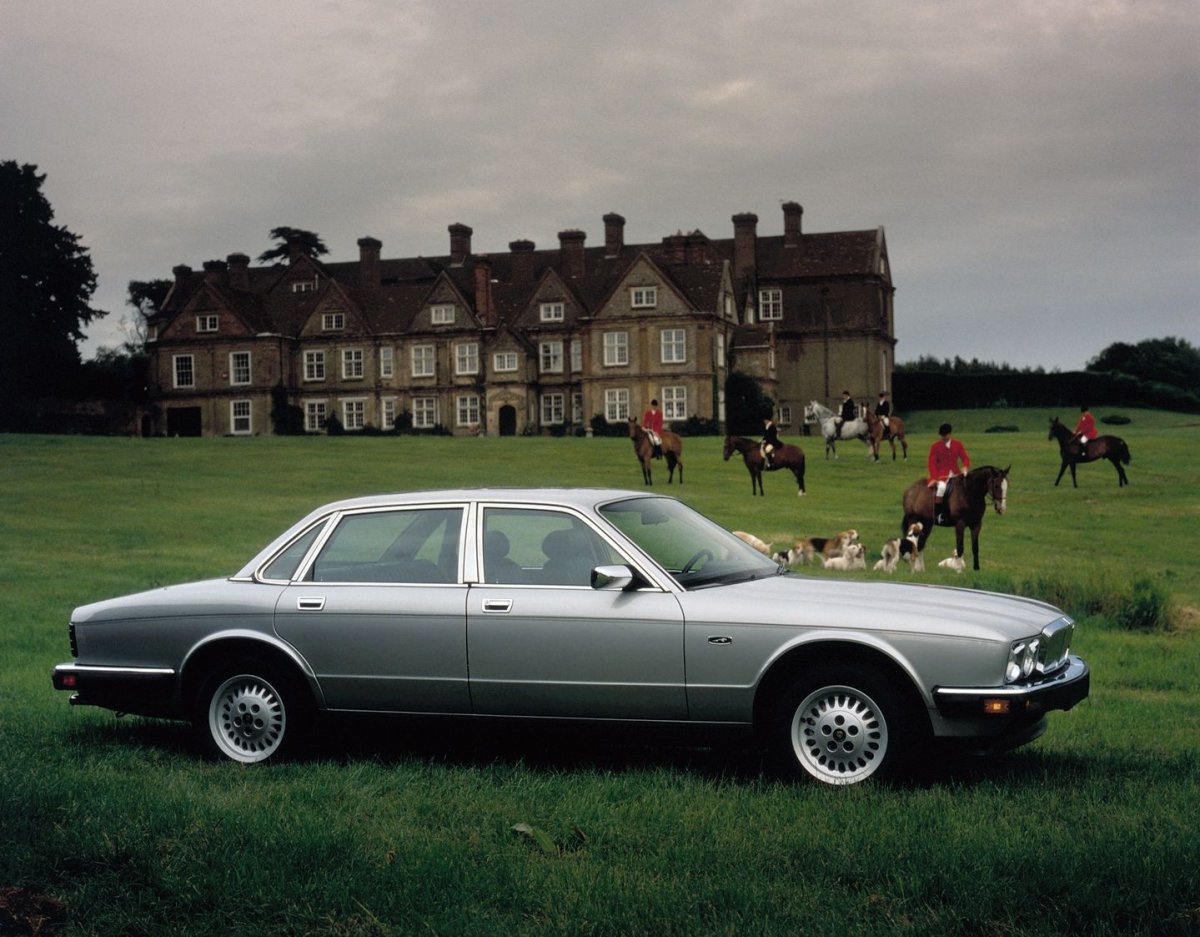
<point x="646" y="477"/>
<point x="670" y="456"/>
<point x="1121" y="479"/>
<point x="1074" y="483"/>
<point x="1062" y="470"/>
<point x="799" y="473"/>
<point x="756" y="487"/>
<point x="974" y="543"/>
<point x="904" y="445"/>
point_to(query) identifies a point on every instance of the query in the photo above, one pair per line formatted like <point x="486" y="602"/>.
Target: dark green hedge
<point x="932" y="390"/>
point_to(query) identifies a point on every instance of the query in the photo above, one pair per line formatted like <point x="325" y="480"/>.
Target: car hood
<point x="801" y="601"/>
<point x="210" y="597"/>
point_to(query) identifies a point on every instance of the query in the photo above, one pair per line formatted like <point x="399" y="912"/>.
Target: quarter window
<point x="616" y="348"/>
<point x="674" y="346"/>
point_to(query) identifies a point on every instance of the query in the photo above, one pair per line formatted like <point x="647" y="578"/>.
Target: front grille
<point x="1055" y="645"/>
<point x="74" y="643"/>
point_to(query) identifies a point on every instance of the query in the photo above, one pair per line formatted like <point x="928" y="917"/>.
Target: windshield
<point x="694" y="550"/>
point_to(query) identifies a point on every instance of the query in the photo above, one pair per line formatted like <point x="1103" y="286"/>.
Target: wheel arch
<point x="225" y="649"/>
<point x="804" y="657"/>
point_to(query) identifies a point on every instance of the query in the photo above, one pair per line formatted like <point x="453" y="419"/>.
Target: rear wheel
<point x="249" y="713"/>
<point x="842" y="725"/>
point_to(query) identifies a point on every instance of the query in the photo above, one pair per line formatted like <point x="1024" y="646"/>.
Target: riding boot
<point x="938" y="517"/>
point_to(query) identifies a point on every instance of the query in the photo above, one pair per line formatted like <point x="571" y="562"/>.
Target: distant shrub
<point x="1145" y="609"/>
<point x="695" y="426"/>
<point x="1003" y="429"/>
<point x="1115" y="419"/>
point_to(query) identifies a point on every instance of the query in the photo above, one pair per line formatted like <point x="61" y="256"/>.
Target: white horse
<point x="851" y="429"/>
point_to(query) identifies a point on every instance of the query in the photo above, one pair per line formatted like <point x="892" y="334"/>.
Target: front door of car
<point x="543" y="642"/>
<point x="380" y="613"/>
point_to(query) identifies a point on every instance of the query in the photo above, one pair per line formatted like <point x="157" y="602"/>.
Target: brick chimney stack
<point x="614" y="234"/>
<point x="182" y="272"/>
<point x="571" y="243"/>
<point x="745" y="241"/>
<point x="485" y="303"/>
<point x="215" y="271"/>
<point x="239" y="271"/>
<point x="792" y="213"/>
<point x="369" y="276"/>
<point x="460" y="243"/>
<point x="522" y="261"/>
<point x="295" y="248"/>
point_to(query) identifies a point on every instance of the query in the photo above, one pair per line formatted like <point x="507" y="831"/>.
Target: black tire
<point x="250" y="712"/>
<point x="842" y="724"/>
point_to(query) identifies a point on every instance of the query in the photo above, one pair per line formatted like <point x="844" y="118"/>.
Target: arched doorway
<point x="508" y="420"/>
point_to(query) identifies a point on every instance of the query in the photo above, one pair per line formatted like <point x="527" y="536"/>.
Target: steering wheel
<point x="696" y="558"/>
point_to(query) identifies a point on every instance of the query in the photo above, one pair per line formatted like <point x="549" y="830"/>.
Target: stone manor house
<point x="525" y="341"/>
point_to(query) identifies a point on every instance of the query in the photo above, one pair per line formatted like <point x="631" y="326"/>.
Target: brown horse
<point x="1112" y="448"/>
<point x="878" y="433"/>
<point x="963" y="505"/>
<point x="784" y="457"/>
<point x="672" y="451"/>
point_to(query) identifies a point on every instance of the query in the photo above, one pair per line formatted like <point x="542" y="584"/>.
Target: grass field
<point x="115" y="827"/>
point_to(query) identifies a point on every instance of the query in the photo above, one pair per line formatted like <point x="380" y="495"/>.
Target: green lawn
<point x="114" y="827"/>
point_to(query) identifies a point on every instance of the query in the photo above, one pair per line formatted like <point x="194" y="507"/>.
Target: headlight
<point x="1022" y="658"/>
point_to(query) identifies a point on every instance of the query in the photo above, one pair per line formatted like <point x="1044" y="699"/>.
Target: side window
<point x="533" y="547"/>
<point x="284" y="566"/>
<point x="416" y="546"/>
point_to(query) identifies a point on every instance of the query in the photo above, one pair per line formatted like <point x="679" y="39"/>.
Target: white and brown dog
<point x="808" y="549"/>
<point x="954" y="562"/>
<point x="760" y="545"/>
<point x="890" y="556"/>
<point x="852" y="557"/>
<point x="910" y="547"/>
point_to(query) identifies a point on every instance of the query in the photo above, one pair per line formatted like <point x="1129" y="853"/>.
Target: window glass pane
<point x="393" y="546"/>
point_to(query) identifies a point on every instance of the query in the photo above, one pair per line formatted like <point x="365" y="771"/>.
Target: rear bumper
<point x="146" y="691"/>
<point x="1018" y="701"/>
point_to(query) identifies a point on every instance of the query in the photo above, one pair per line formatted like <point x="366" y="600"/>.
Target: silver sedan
<point x="573" y="604"/>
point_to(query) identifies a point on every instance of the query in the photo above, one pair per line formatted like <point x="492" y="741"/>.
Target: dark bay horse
<point x="672" y="451"/>
<point x="785" y="457"/>
<point x="963" y="505"/>
<point x="1112" y="448"/>
<point x="878" y="433"/>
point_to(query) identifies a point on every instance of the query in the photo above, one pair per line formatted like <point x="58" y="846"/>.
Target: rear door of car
<point x="379" y="612"/>
<point x="543" y="642"/>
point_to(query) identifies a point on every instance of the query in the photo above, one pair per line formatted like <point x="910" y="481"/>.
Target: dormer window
<point x="207" y="323"/>
<point x="304" y="286"/>
<point x="333" y="321"/>
<point x="553" y="312"/>
<point x="643" y="297"/>
<point x="442" y="315"/>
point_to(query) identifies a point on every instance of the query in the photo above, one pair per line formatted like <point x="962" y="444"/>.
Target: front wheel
<point x="248" y="714"/>
<point x="842" y="725"/>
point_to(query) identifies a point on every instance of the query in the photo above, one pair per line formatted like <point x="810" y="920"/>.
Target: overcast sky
<point x="1035" y="165"/>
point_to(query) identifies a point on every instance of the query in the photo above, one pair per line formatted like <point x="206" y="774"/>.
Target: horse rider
<point x="1085" y="429"/>
<point x="945" y="455"/>
<point x="883" y="410"/>
<point x="770" y="441"/>
<point x="848" y="413"/>
<point x="652" y="423"/>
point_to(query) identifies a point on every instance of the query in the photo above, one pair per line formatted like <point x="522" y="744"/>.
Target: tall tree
<point x="46" y="283"/>
<point x="308" y="242"/>
<point x="1166" y="360"/>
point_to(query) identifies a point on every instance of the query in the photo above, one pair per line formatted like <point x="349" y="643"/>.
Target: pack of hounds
<point x="844" y="551"/>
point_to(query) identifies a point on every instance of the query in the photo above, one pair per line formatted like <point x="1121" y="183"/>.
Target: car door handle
<point x="497" y="605"/>
<point x="310" y="603"/>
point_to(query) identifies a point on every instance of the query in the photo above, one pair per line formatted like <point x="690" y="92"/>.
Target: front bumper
<point x="145" y="691"/>
<point x="1021" y="701"/>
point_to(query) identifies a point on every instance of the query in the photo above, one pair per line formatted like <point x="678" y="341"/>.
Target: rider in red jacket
<point x="1085" y="429"/>
<point x="945" y="455"/>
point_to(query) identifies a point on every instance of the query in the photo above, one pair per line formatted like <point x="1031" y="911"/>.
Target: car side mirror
<point x="612" y="578"/>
